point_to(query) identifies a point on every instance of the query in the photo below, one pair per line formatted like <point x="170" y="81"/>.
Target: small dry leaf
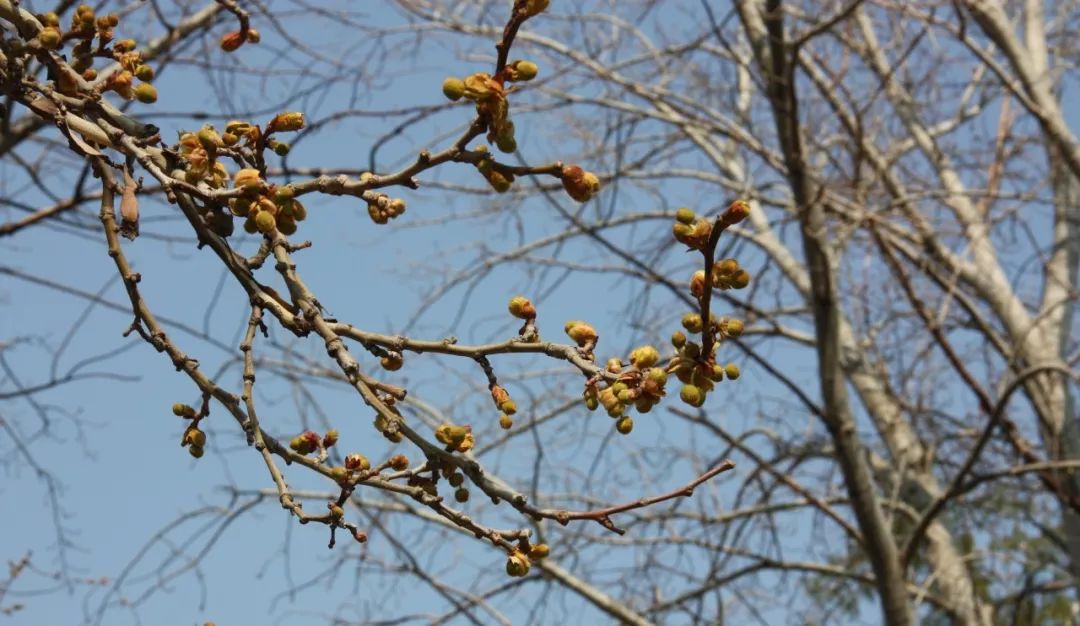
<point x="129" y="208"/>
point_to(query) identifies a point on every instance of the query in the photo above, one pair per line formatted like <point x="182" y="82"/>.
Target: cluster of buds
<point x="698" y="372"/>
<point x="277" y="208"/>
<point x="489" y="95"/>
<point x="695" y="231"/>
<point x="233" y="40"/>
<point x="455" y="438"/>
<point x="347" y="473"/>
<point x="383" y="208"/>
<point x="641" y="387"/>
<point x="726" y="274"/>
<point x="132" y="68"/>
<point x="578" y="183"/>
<point x="86" y="26"/>
<point x="690" y="229"/>
<point x="502" y="400"/>
<point x="457" y="481"/>
<point x="521" y="558"/>
<point x="193" y="439"/>
<point x="309" y="441"/>
<point x="499" y="178"/>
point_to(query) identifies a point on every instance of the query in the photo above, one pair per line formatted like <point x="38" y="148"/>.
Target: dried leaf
<point x="129" y="208"/>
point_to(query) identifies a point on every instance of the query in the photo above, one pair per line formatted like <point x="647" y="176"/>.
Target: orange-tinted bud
<point x="232" y="41"/>
<point x="521" y="308"/>
<point x="580" y="332"/>
<point x="736" y="212"/>
<point x="292" y="120"/>
<point x="357" y="462"/>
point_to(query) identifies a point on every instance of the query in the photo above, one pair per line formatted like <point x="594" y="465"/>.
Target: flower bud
<point x="461" y="495"/>
<point x="685" y="215"/>
<point x="247" y="178"/>
<point x="284" y="122"/>
<point x="521" y="308"/>
<point x="732" y="371"/>
<point x="678" y="339"/>
<point x="146" y="93"/>
<point x="50" y="38"/>
<point x="697" y="284"/>
<point x="336" y="512"/>
<point x="736" y="212"/>
<point x="357" y="462"/>
<point x="733" y="328"/>
<point x="339" y="474"/>
<point x="658" y="376"/>
<point x="580" y="332"/>
<point x="523" y="70"/>
<point x="265" y="222"/>
<point x="193" y="437"/>
<point x="517" y="564"/>
<point x="692" y="323"/>
<point x="196" y="451"/>
<point x="453" y="88"/>
<point x="624" y="425"/>
<point x="253" y="35"/>
<point x="740" y="280"/>
<point x="392" y="361"/>
<point x="144" y="72"/>
<point x="399" y="462"/>
<point x="644" y="357"/>
<point x="124" y="45"/>
<point x="330" y="438"/>
<point x="182" y="410"/>
<point x="232" y="41"/>
<point x="692" y="395"/>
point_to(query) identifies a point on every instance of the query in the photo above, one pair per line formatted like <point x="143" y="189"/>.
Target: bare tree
<point x="903" y="431"/>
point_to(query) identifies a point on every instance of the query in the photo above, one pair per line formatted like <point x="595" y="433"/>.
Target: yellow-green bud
<point x="685" y="215"/>
<point x="732" y="371"/>
<point x="644" y="357"/>
<point x="692" y="322"/>
<point x="625" y="425"/>
<point x="524" y="70"/>
<point x="146" y="93"/>
<point x="539" y="551"/>
<point x="144" y="72"/>
<point x="692" y="395"/>
<point x="265" y="222"/>
<point x="453" y="88"/>
<point x="521" y="308"/>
